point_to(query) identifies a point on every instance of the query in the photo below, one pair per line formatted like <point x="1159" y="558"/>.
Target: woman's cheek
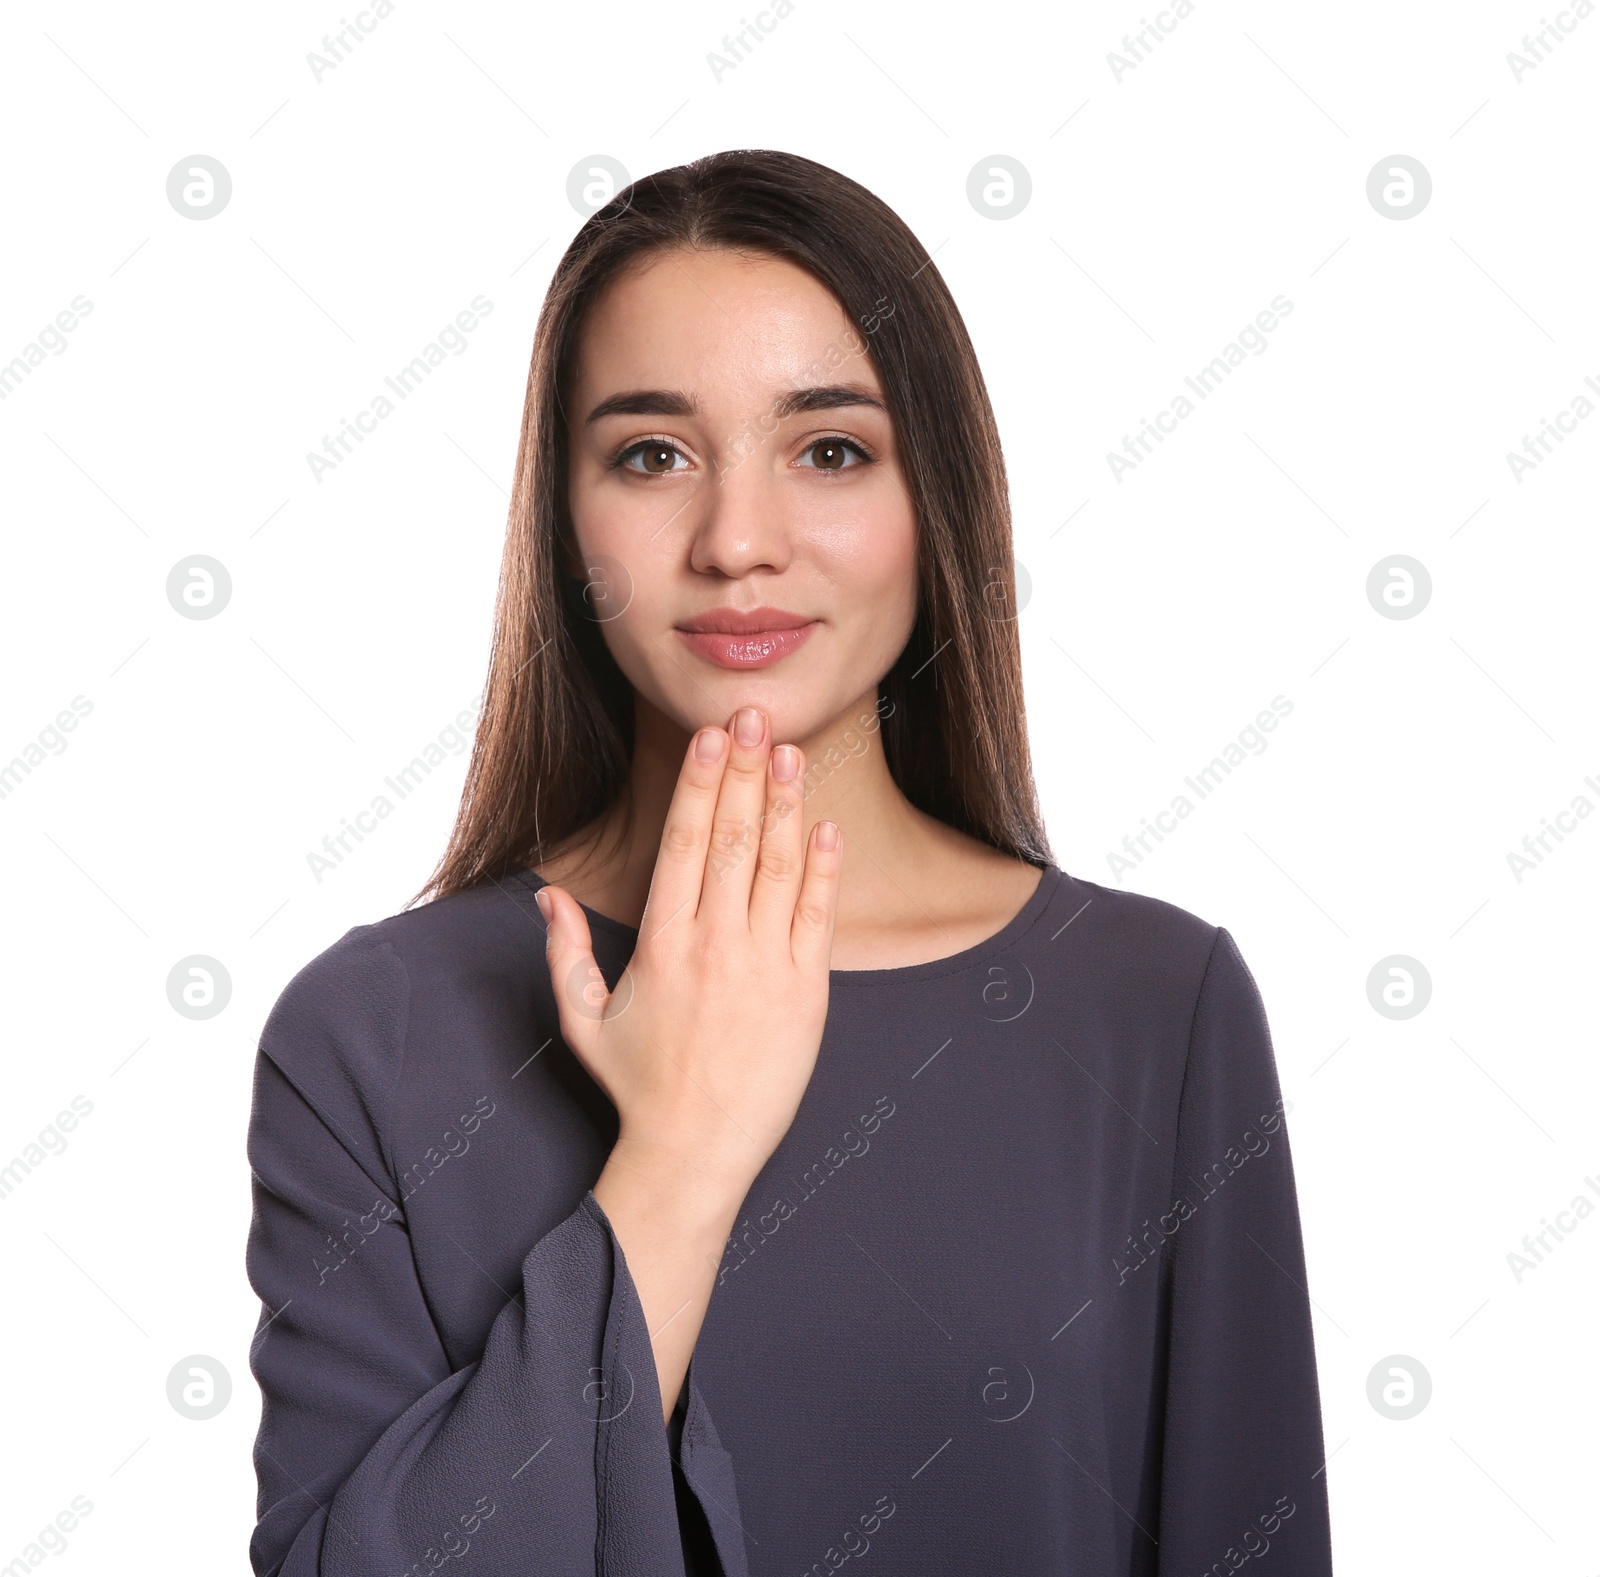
<point x="872" y="551"/>
<point x="643" y="660"/>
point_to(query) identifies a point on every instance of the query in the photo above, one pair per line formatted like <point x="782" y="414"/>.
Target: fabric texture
<point x="1022" y="1290"/>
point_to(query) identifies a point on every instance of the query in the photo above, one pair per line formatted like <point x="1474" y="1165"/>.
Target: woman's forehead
<point x="707" y="321"/>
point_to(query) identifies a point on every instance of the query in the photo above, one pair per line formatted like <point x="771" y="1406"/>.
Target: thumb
<point x="579" y="987"/>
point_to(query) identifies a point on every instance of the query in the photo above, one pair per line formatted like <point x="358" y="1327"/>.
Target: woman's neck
<point x="911" y="886"/>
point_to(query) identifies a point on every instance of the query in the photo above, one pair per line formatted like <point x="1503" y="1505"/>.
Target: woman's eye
<point x="834" y="454"/>
<point x="655" y="457"/>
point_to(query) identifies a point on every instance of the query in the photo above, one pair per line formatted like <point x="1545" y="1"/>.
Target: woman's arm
<point x="673" y="1220"/>
<point x="1242" y="1454"/>
<point x="376" y="1456"/>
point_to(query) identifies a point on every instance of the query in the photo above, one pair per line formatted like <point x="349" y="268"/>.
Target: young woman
<point x="759" y="1154"/>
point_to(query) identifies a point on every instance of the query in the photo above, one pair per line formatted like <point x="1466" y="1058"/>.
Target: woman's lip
<point x="759" y="649"/>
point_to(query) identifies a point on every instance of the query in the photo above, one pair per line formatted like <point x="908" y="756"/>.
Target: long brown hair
<point x="555" y="738"/>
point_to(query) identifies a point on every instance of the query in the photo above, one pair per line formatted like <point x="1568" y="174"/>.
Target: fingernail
<point x="747" y="726"/>
<point x="827" y="836"/>
<point x="708" y="744"/>
<point x="542" y="898"/>
<point x="785" y="763"/>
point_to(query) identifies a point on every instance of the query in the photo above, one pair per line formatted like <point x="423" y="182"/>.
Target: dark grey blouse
<point x="1021" y="1291"/>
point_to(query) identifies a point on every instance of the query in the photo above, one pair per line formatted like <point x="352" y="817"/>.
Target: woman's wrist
<point x="700" y="1184"/>
<point x="712" y="1176"/>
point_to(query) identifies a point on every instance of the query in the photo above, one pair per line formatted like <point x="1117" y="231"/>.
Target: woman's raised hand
<point x="707" y="1044"/>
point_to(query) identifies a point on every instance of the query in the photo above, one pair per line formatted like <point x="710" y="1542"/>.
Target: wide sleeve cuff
<point x="374" y="1458"/>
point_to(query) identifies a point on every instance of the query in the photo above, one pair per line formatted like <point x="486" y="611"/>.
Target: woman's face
<point x="730" y="456"/>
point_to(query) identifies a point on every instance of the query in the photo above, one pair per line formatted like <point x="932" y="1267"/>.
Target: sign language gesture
<point x="707" y="1044"/>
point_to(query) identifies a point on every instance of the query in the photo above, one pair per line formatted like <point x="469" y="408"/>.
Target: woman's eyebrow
<point x="673" y="402"/>
<point x="644" y="402"/>
<point x="825" y="397"/>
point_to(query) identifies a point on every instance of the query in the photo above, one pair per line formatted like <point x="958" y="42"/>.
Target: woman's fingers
<point x="686" y="835"/>
<point x="733" y="848"/>
<point x="736" y="826"/>
<point x="575" y="978"/>
<point x="780" y="864"/>
<point x="811" y="935"/>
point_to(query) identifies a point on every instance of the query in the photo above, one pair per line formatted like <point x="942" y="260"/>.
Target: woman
<point x="759" y="1154"/>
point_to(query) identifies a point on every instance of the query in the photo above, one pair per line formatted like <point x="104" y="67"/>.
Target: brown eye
<point x="655" y="458"/>
<point x="835" y="454"/>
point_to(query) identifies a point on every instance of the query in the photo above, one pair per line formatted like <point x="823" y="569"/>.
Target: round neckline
<point x="1049" y="883"/>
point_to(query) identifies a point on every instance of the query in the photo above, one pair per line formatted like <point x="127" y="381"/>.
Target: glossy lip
<point x="756" y="638"/>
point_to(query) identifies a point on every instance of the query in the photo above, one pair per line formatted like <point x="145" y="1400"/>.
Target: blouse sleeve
<point x="374" y="1457"/>
<point x="1242" y="1452"/>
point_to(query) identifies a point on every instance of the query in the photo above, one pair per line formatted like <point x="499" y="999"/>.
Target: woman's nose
<point x="738" y="521"/>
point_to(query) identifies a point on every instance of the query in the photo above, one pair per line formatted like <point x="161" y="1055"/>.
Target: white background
<point x="1167" y="609"/>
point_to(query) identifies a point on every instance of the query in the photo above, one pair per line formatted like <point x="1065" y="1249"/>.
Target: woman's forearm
<point x="672" y="1219"/>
